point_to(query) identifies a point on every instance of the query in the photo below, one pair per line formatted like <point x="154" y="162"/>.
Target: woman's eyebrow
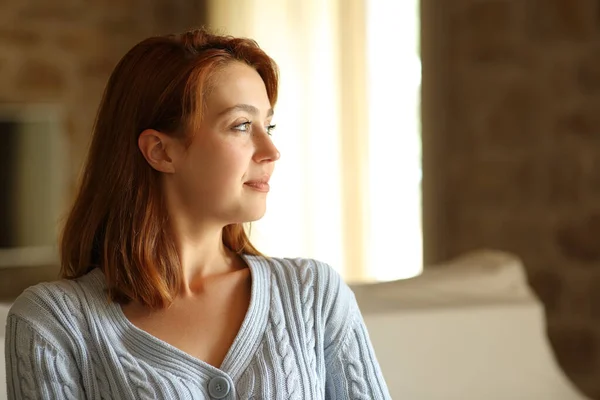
<point x="245" y="107"/>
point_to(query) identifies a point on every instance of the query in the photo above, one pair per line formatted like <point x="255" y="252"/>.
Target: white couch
<point x="468" y="330"/>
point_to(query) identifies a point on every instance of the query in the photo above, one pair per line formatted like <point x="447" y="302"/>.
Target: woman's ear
<point x="156" y="148"/>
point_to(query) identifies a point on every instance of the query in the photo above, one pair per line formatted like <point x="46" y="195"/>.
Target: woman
<point x="164" y="297"/>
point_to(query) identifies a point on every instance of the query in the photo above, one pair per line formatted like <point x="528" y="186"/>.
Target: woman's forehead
<point x="238" y="87"/>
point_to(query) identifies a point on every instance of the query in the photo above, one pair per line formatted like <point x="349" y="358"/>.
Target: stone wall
<point x="511" y="152"/>
<point x="61" y="52"/>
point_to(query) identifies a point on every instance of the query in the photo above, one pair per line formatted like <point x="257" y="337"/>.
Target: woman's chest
<point x="204" y="327"/>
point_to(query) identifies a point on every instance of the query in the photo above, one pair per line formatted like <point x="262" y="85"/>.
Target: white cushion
<point x="469" y="329"/>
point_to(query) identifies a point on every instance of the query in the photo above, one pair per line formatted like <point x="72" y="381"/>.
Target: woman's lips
<point x="258" y="186"/>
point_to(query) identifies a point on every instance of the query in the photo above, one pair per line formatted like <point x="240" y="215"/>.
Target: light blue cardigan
<point x="303" y="338"/>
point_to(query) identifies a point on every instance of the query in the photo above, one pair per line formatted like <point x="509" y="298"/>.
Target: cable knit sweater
<point x="303" y="337"/>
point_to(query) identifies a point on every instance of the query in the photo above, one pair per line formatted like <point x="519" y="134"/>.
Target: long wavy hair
<point x="119" y="221"/>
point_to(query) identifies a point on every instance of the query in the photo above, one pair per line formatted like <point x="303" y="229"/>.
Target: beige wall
<point x="512" y="152"/>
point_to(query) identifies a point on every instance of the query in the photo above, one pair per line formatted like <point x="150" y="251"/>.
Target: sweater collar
<point x="158" y="352"/>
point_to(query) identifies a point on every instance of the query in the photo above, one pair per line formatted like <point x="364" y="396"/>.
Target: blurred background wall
<point x="63" y="51"/>
<point x="511" y="152"/>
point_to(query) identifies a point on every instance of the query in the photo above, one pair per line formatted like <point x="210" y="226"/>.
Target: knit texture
<point x="303" y="337"/>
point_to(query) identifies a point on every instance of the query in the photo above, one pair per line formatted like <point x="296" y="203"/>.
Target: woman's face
<point x="223" y="175"/>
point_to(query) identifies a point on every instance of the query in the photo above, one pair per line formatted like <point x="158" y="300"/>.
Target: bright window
<point x="306" y="206"/>
<point x="394" y="80"/>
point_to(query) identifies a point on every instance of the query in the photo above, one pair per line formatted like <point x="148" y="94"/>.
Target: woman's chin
<point x="252" y="215"/>
<point x="256" y="217"/>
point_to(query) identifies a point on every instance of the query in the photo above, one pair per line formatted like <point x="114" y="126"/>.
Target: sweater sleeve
<point x="352" y="370"/>
<point x="36" y="368"/>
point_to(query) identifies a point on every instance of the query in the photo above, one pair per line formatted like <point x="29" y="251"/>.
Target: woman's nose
<point x="266" y="149"/>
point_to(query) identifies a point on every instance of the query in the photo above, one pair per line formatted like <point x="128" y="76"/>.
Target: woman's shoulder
<point x="307" y="274"/>
<point x="294" y="267"/>
<point x="58" y="302"/>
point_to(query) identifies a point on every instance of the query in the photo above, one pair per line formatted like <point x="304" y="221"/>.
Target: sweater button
<point x="218" y="387"/>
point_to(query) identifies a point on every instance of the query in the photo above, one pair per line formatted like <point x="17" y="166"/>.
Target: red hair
<point x="119" y="221"/>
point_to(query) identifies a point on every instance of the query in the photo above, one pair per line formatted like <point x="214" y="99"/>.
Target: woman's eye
<point x="246" y="126"/>
<point x="243" y="127"/>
